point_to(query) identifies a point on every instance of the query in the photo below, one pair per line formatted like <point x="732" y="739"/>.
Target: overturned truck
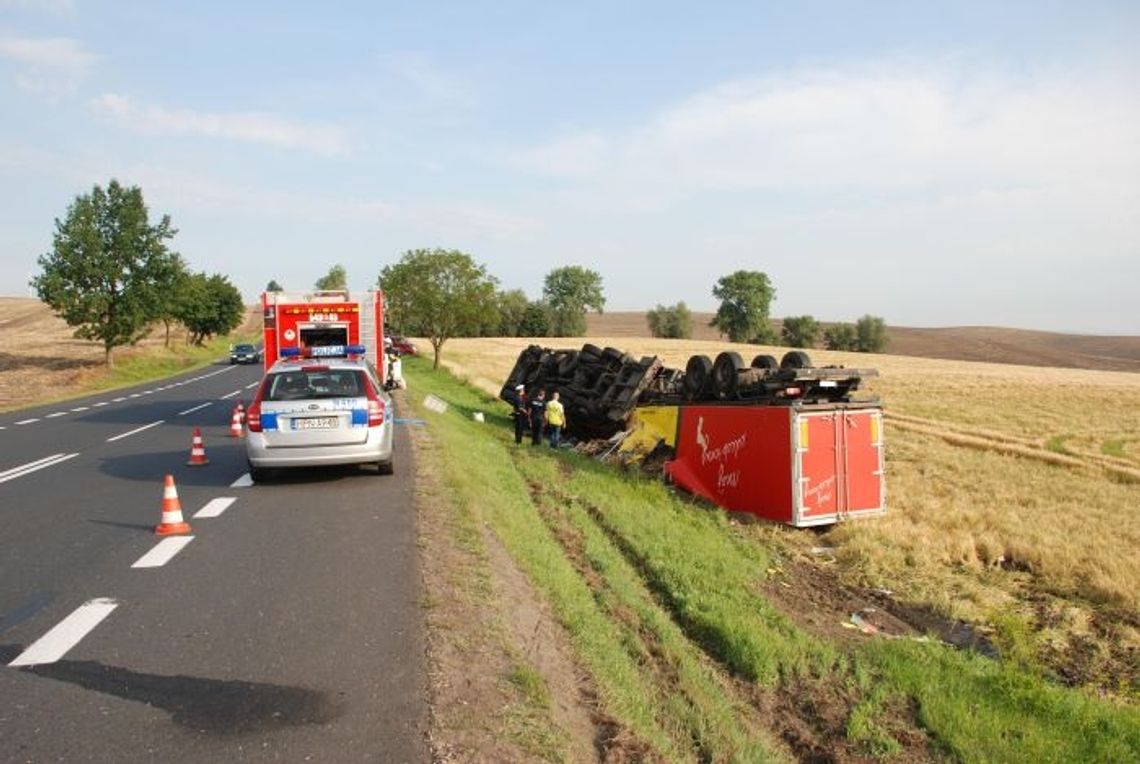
<point x="783" y="440"/>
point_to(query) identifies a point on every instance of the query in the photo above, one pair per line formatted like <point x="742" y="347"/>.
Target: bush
<point x="671" y="322"/>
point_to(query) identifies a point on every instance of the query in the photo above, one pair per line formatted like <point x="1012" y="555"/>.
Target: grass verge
<point x="662" y="602"/>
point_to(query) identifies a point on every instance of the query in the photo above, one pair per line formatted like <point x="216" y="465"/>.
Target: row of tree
<point x="111" y="276"/>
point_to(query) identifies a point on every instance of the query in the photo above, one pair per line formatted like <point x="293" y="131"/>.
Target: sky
<point x="936" y="164"/>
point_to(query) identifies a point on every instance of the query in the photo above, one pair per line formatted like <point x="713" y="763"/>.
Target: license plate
<point x="315" y="423"/>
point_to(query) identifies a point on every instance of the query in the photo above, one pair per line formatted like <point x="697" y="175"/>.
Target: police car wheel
<point x="385" y="468"/>
<point x="258" y="474"/>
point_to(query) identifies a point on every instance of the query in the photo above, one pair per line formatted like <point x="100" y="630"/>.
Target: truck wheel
<point x="593" y="351"/>
<point x="795" y="359"/>
<point x="767" y="362"/>
<point x="698" y="372"/>
<point x="724" y="373"/>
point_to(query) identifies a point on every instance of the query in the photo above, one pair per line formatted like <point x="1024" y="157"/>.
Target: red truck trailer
<point x="801" y="465"/>
<point x="324" y="318"/>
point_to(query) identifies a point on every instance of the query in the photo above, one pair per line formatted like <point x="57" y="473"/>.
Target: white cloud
<point x="889" y="127"/>
<point x="48" y="65"/>
<point x="250" y="127"/>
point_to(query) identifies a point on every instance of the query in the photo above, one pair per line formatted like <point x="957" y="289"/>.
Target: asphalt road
<point x="287" y="628"/>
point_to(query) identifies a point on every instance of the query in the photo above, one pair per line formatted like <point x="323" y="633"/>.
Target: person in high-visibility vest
<point x="555" y="419"/>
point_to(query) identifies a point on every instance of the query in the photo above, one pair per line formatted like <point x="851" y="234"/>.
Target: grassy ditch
<point x="662" y="602"/>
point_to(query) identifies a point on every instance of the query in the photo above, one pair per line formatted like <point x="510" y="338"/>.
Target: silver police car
<point x="327" y="408"/>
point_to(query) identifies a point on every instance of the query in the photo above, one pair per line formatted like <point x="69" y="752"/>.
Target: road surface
<point x="285" y="628"/>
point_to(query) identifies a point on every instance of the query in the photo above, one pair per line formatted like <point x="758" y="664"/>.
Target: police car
<point x="326" y="407"/>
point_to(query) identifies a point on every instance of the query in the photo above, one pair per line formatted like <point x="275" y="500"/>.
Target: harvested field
<point x="1012" y="494"/>
<point x="965" y="343"/>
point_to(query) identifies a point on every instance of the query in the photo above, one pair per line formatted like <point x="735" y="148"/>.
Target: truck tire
<point x="727" y="365"/>
<point x="767" y="362"/>
<point x="698" y="374"/>
<point x="795" y="359"/>
<point x="593" y="352"/>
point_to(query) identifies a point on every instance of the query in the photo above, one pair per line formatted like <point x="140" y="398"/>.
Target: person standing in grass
<point x="555" y="419"/>
<point x="537" y="417"/>
<point x="520" y="412"/>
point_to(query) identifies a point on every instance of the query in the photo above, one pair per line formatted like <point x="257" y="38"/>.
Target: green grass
<point x="1113" y="447"/>
<point x="1056" y="444"/>
<point x="662" y="601"/>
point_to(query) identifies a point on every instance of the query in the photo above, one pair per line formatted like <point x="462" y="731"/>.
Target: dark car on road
<point x="245" y="354"/>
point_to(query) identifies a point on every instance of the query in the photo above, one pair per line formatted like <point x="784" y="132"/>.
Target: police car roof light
<point x="290" y="352"/>
<point x="356" y="350"/>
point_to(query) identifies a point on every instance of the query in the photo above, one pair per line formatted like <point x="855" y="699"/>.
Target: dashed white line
<point x="28" y="421"/>
<point x="38" y="464"/>
<point x="134" y="395"/>
<point x="66" y="634"/>
<point x="215" y="507"/>
<point x="54" y="414"/>
<point x="196" y="408"/>
<point x="163" y="552"/>
<point x="245" y="481"/>
<point x="100" y="403"/>
<point x="119" y="399"/>
<point x="137" y="429"/>
<point x="230" y="395"/>
<point x="252" y="384"/>
<point x="77" y="409"/>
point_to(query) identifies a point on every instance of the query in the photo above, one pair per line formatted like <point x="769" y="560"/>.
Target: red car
<point x="401" y="346"/>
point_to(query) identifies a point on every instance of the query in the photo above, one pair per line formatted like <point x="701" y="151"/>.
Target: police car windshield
<point x="299" y="384"/>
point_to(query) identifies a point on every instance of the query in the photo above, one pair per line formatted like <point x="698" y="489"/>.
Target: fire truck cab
<point x="324" y="318"/>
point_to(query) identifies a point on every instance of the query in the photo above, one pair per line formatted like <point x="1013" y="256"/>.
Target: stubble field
<point x="1013" y="495"/>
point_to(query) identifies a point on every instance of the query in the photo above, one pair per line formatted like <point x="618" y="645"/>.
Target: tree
<point x="745" y="297"/>
<point x="438" y="294"/>
<point x="168" y="309"/>
<point x="570" y="291"/>
<point x="840" y="337"/>
<point x="109" y="270"/>
<point x="872" y="334"/>
<point x="672" y="322"/>
<point x="800" y="331"/>
<point x="336" y="278"/>
<point x="512" y="307"/>
<point x="273" y="286"/>
<point x="208" y="306"/>
<point x="536" y="320"/>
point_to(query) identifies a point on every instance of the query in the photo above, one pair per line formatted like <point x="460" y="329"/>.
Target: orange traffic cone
<point x="197" y="450"/>
<point x="235" y="424"/>
<point x="172" y="522"/>
<point x="241" y="412"/>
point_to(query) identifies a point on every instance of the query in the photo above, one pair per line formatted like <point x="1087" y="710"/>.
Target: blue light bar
<point x="356" y="350"/>
<point x="290" y="352"/>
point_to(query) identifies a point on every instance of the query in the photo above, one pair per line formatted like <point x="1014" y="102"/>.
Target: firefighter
<point x="537" y="408"/>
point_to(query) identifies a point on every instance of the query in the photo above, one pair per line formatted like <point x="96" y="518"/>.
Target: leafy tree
<point x="273" y="286"/>
<point x="800" y="331"/>
<point x="840" y="337"/>
<point x="109" y="271"/>
<point x="872" y="334"/>
<point x="512" y="311"/>
<point x="672" y="322"/>
<point x="745" y="297"/>
<point x="438" y="294"/>
<point x="168" y="309"/>
<point x="570" y="291"/>
<point x="336" y="278"/>
<point x="536" y="320"/>
<point x="208" y="306"/>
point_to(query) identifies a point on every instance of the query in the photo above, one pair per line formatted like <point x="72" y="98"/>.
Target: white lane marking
<point x="230" y="395"/>
<point x="215" y="507"/>
<point x="133" y="395"/>
<point x="137" y="429"/>
<point x="100" y="403"/>
<point x="163" y="552"/>
<point x="28" y="421"/>
<point x="77" y="409"/>
<point x="252" y="384"/>
<point x="38" y="464"/>
<point x="118" y="400"/>
<point x="54" y="414"/>
<point x="190" y="411"/>
<point x="245" y="481"/>
<point x="66" y="634"/>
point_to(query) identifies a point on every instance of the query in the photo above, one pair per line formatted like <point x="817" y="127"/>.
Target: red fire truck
<point x="322" y="319"/>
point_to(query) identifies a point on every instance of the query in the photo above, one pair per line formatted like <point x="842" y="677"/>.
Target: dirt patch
<point x="486" y="626"/>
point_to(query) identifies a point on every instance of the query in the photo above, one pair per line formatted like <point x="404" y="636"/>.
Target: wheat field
<point x="1010" y="489"/>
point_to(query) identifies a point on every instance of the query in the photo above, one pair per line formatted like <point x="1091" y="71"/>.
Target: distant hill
<point x="963" y="343"/>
